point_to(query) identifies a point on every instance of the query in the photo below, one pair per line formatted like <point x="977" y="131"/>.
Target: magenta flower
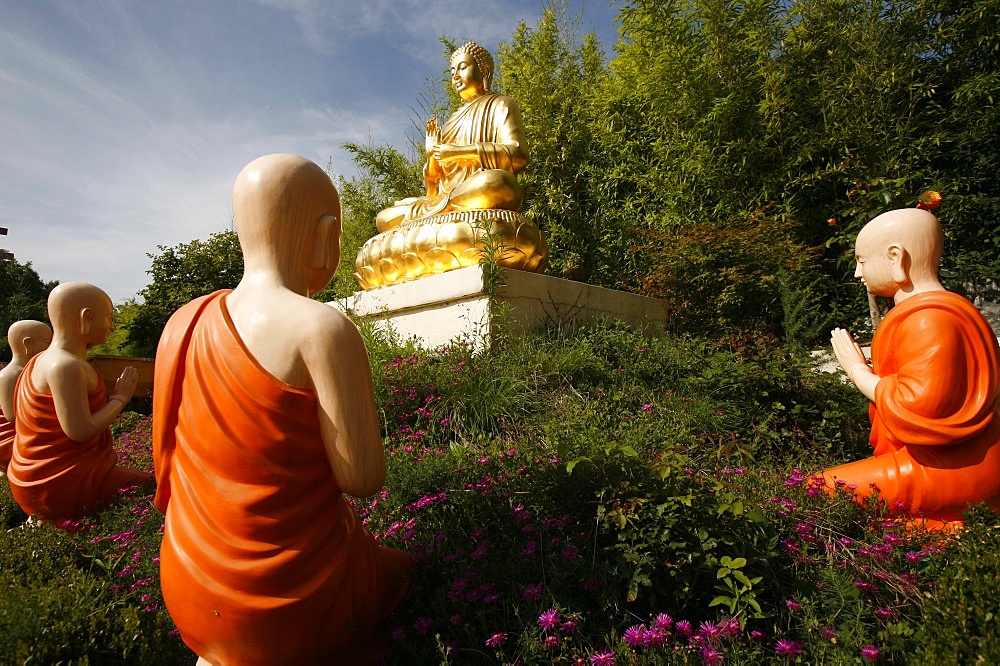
<point x="423" y="625"/>
<point x="793" y="605"/>
<point x="789" y="648"/>
<point x="533" y="592"/>
<point x="398" y="633"/>
<point x="828" y="633"/>
<point x="883" y="613"/>
<point x="709" y="630"/>
<point x="569" y="626"/>
<point x="603" y="658"/>
<point x="635" y="635"/>
<point x="662" y="622"/>
<point x="549" y="619"/>
<point x="870" y="653"/>
<point x="552" y="642"/>
<point x="683" y="627"/>
<point x="497" y="639"/>
<point x="710" y="656"/>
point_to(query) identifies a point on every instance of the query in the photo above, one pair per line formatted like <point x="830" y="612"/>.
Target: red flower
<point x="929" y="200"/>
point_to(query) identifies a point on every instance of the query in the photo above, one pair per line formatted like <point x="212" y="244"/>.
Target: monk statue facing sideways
<point x="264" y="417"/>
<point x="63" y="465"/>
<point x="471" y="188"/>
<point x="26" y="338"/>
<point x="933" y="384"/>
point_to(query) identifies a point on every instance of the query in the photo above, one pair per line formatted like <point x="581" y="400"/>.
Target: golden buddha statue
<point x="472" y="190"/>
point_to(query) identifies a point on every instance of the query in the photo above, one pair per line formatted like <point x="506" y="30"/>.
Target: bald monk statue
<point x="264" y="417"/>
<point x="933" y="384"/>
<point x="26" y="338"/>
<point x="63" y="465"/>
<point x="473" y="160"/>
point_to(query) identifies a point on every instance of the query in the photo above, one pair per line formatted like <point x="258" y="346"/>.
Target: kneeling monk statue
<point x="63" y="464"/>
<point x="26" y="338"/>
<point x="264" y="417"/>
<point x="471" y="189"/>
<point x="933" y="384"/>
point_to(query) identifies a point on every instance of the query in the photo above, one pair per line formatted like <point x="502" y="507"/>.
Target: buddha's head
<point x="28" y="337"/>
<point x="288" y="219"/>
<point x="898" y="250"/>
<point x="471" y="70"/>
<point x="81" y="312"/>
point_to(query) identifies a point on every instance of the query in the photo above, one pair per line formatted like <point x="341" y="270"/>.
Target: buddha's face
<point x="466" y="78"/>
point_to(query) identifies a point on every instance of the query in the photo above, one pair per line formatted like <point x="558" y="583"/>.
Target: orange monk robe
<point x="262" y="560"/>
<point x="935" y="422"/>
<point x="53" y="476"/>
<point x="6" y="442"/>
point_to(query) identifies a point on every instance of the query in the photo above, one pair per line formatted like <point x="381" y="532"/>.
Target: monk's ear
<point x="326" y="243"/>
<point x="900" y="259"/>
<point x="86" y="319"/>
<point x="27" y="346"/>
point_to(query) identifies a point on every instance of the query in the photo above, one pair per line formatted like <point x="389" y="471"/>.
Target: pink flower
<point x="710" y="656"/>
<point x="683" y="627"/>
<point x="549" y="619"/>
<point x="603" y="658"/>
<point x="828" y="633"/>
<point x="635" y="635"/>
<point x="793" y="605"/>
<point x="870" y="653"/>
<point x="533" y="592"/>
<point x="662" y="622"/>
<point x="423" y="625"/>
<point x="552" y="642"/>
<point x="569" y="626"/>
<point x="497" y="639"/>
<point x="789" y="648"/>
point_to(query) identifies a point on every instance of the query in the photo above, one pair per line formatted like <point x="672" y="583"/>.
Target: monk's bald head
<point x="28" y="337"/>
<point x="68" y="303"/>
<point x="916" y="231"/>
<point x="278" y="201"/>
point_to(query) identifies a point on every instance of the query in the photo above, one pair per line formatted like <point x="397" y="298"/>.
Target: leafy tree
<point x="553" y="74"/>
<point x="180" y="274"/>
<point x="387" y="175"/>
<point x="117" y="343"/>
<point x="23" y="295"/>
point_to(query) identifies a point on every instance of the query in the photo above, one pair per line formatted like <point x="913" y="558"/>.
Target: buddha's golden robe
<point x="493" y="124"/>
<point x="51" y="475"/>
<point x="262" y="561"/>
<point x="935" y="423"/>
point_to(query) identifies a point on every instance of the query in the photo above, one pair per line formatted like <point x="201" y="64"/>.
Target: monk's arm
<point x="341" y="377"/>
<point x="68" y="383"/>
<point x="8" y="380"/>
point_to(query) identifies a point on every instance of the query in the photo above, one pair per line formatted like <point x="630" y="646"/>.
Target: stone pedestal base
<point x="439" y="309"/>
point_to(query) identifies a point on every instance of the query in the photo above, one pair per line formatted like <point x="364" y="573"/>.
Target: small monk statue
<point x="473" y="159"/>
<point x="63" y="465"/>
<point x="933" y="383"/>
<point x="26" y="338"/>
<point x="264" y="417"/>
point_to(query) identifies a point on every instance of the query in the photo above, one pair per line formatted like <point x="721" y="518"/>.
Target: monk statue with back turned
<point x="471" y="189"/>
<point x="26" y="338"/>
<point x="264" y="417"/>
<point x="63" y="465"/>
<point x="933" y="384"/>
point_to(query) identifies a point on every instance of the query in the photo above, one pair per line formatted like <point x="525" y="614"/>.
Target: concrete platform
<point x="439" y="309"/>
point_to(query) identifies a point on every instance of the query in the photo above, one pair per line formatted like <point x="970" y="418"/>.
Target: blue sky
<point x="124" y="123"/>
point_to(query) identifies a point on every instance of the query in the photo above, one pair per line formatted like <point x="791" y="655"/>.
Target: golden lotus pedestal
<point x="447" y="242"/>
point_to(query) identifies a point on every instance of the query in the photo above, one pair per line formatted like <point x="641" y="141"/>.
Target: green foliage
<point x="567" y="495"/>
<point x="23" y="295"/>
<point x="552" y="73"/>
<point x="180" y="274"/>
<point x="117" y="343"/>
<point x="962" y="625"/>
<point x="387" y="175"/>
